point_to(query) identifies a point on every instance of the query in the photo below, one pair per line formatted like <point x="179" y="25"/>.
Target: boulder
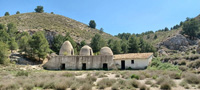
<point x="177" y="42"/>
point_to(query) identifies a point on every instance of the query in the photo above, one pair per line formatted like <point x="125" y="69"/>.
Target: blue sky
<point x="114" y="16"/>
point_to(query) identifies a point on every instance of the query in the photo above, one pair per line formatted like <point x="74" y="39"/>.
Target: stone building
<point x="87" y="61"/>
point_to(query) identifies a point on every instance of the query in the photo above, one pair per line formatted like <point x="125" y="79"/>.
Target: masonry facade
<point x="66" y="60"/>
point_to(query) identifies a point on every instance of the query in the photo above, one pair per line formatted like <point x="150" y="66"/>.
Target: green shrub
<point x="135" y="76"/>
<point x="165" y="86"/>
<point x="158" y="65"/>
<point x="154" y="77"/>
<point x="22" y="73"/>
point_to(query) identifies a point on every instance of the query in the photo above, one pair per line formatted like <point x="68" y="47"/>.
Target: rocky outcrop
<point x="178" y="42"/>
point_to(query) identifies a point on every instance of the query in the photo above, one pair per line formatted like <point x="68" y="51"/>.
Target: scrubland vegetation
<point x="158" y="75"/>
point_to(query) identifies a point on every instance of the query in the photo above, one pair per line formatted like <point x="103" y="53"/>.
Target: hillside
<point x="164" y="35"/>
<point x="161" y="36"/>
<point x="55" y="23"/>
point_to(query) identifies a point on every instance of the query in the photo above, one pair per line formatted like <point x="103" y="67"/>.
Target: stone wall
<point x="76" y="62"/>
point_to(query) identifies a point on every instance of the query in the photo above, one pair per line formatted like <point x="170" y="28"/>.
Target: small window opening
<point x="132" y="61"/>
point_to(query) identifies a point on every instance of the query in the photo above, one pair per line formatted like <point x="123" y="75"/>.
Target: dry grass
<point x="68" y="79"/>
<point x="192" y="78"/>
<point x="53" y="22"/>
<point x="105" y="83"/>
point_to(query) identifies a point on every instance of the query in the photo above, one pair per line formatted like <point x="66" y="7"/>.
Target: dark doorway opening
<point x="105" y="66"/>
<point x="63" y="67"/>
<point x="122" y="64"/>
<point x="84" y="66"/>
<point x="72" y="52"/>
<point x="90" y="52"/>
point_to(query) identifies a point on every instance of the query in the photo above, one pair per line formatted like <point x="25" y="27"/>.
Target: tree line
<point x="10" y="39"/>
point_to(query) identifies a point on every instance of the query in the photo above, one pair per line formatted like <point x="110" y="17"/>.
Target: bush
<point x="148" y="82"/>
<point x="192" y="79"/>
<point x="91" y="79"/>
<point x="117" y="75"/>
<point x="194" y="64"/>
<point x="158" y="65"/>
<point x="134" y="83"/>
<point x="22" y="73"/>
<point x="67" y="74"/>
<point x="182" y="62"/>
<point x="60" y="86"/>
<point x="135" y="76"/>
<point x="28" y="86"/>
<point x="105" y="83"/>
<point x="165" y="86"/>
<point x="183" y="68"/>
<point x="143" y="87"/>
<point x="184" y="84"/>
<point x="165" y="79"/>
<point x="175" y="75"/>
<point x="86" y="86"/>
<point x="9" y="86"/>
<point x="154" y="85"/>
<point x="74" y="86"/>
<point x="115" y="87"/>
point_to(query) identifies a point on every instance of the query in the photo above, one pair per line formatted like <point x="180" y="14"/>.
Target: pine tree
<point x="39" y="9"/>
<point x="191" y="28"/>
<point x="4" y="53"/>
<point x="97" y="43"/>
<point x="134" y="44"/>
<point x="117" y="47"/>
<point x="4" y="36"/>
<point x="92" y="24"/>
<point x="12" y="29"/>
<point x="124" y="46"/>
<point x="17" y="12"/>
<point x="24" y="44"/>
<point x="39" y="45"/>
<point x="83" y="43"/>
<point x="57" y="43"/>
<point x="111" y="43"/>
<point x="7" y="14"/>
<point x="13" y="44"/>
<point x="101" y="30"/>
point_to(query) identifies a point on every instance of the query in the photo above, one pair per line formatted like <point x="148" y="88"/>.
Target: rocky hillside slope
<point x="53" y="24"/>
<point x="173" y="41"/>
